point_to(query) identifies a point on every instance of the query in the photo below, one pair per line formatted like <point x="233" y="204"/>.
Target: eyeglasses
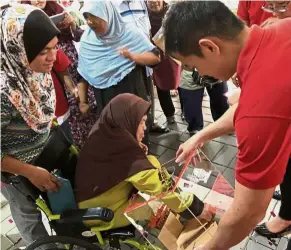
<point x="273" y="8"/>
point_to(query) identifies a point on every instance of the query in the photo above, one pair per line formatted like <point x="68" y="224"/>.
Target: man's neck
<point x="244" y="37"/>
<point x="240" y="42"/>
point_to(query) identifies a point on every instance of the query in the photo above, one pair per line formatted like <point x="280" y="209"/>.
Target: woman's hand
<point x="144" y="148"/>
<point x="189" y="147"/>
<point x="43" y="180"/>
<point x="67" y="21"/>
<point x="74" y="93"/>
<point x="125" y="53"/>
<point x="84" y="108"/>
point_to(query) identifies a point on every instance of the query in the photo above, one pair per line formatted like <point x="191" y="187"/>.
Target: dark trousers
<point x="192" y="104"/>
<point x="180" y="98"/>
<point x="134" y="83"/>
<point x="285" y="210"/>
<point x="65" y="126"/>
<point x="166" y="102"/>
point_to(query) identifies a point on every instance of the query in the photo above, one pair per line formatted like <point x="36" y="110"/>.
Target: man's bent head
<point x="205" y="35"/>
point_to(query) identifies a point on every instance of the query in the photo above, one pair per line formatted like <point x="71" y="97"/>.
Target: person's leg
<point x="181" y="103"/>
<point x="218" y="100"/>
<point x="24" y="212"/>
<point x="285" y="210"/>
<point x="282" y="222"/>
<point x="99" y="100"/>
<point x="192" y="104"/>
<point x="166" y="102"/>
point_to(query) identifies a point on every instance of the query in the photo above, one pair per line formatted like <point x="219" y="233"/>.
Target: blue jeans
<point x="192" y="104"/>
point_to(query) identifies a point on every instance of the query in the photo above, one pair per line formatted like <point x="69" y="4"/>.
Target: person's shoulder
<point x="281" y="27"/>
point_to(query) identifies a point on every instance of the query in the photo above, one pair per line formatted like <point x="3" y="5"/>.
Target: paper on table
<point x="199" y="175"/>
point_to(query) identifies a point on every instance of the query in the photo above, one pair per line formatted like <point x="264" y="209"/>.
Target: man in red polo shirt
<point x="251" y="12"/>
<point x="206" y="35"/>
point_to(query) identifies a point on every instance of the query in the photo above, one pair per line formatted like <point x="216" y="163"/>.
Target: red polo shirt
<point x="251" y="11"/>
<point x="61" y="64"/>
<point x="263" y="117"/>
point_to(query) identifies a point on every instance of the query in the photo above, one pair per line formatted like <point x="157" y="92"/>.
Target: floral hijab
<point x="32" y="95"/>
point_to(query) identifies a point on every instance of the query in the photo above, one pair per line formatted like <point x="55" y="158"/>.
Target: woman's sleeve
<point x="6" y="111"/>
<point x="149" y="182"/>
<point x="77" y="34"/>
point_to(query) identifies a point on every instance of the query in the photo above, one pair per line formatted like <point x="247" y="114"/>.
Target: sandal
<point x="264" y="231"/>
<point x="159" y="129"/>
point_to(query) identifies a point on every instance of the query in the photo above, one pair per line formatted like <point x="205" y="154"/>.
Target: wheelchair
<point x="70" y="230"/>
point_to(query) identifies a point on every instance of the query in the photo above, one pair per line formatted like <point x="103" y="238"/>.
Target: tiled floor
<point x="221" y="151"/>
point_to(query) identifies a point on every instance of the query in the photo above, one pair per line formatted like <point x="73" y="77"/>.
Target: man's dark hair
<point x="187" y="22"/>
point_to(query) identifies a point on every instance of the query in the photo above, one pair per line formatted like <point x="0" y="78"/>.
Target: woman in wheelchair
<point x="114" y="164"/>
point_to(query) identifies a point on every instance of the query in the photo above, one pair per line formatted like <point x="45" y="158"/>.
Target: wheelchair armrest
<point x="79" y="215"/>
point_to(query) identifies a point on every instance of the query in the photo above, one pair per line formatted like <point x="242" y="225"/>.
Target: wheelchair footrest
<point x="120" y="233"/>
<point x="79" y="215"/>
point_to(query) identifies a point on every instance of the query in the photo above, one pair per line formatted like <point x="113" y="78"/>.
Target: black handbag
<point x="55" y="152"/>
<point x="204" y="81"/>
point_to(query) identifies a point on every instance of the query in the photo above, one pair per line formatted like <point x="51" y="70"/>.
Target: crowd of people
<point x="95" y="71"/>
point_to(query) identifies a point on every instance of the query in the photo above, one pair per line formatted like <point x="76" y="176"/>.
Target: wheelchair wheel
<point x="61" y="242"/>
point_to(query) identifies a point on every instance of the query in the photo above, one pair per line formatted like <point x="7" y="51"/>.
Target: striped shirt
<point x="136" y="13"/>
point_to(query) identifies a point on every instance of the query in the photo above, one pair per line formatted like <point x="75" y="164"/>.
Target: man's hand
<point x="144" y="148"/>
<point x="235" y="80"/>
<point x="233" y="98"/>
<point x="43" y="180"/>
<point x="188" y="147"/>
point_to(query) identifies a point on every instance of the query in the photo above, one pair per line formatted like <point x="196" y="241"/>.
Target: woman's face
<point x="38" y="3"/>
<point x="278" y="7"/>
<point x="44" y="61"/>
<point x="155" y="5"/>
<point x="141" y="129"/>
<point x="97" y="24"/>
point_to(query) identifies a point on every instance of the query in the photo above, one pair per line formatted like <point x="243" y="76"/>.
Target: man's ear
<point x="207" y="46"/>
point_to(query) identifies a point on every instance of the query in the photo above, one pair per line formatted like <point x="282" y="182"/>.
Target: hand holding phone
<point x="58" y="18"/>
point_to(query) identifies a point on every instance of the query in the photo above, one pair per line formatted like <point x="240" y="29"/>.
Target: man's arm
<point x="264" y="151"/>
<point x="242" y="12"/>
<point x="248" y="209"/>
<point x="39" y="177"/>
<point x="222" y="126"/>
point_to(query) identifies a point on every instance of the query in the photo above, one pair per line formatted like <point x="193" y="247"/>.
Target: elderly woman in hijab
<point x="111" y="54"/>
<point x="81" y="99"/>
<point x="28" y="51"/>
<point x="114" y="163"/>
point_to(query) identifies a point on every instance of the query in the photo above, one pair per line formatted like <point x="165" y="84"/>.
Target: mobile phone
<point x="58" y="18"/>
